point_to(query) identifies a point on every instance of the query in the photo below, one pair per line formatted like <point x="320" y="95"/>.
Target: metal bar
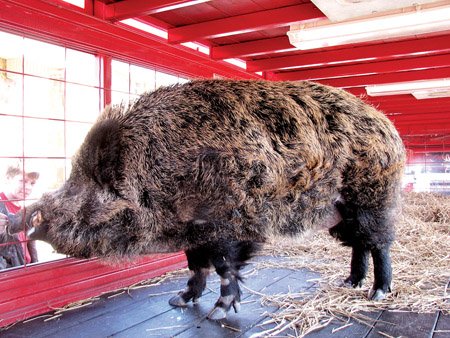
<point x="245" y="23"/>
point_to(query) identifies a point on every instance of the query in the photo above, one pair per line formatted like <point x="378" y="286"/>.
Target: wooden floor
<point x="145" y="312"/>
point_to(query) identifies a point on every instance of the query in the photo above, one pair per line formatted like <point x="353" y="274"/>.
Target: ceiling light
<point x="324" y="33"/>
<point x="180" y="5"/>
<point x="425" y="89"/>
<point x="341" y="10"/>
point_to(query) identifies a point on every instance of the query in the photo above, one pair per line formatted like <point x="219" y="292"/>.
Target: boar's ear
<point x="100" y="152"/>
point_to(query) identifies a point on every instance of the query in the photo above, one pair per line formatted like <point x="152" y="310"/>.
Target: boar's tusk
<point x="36" y="219"/>
<point x="31" y="231"/>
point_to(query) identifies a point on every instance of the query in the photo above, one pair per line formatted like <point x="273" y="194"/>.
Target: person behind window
<point x="19" y="186"/>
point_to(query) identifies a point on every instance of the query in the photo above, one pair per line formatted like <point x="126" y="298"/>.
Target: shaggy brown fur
<point x="229" y="161"/>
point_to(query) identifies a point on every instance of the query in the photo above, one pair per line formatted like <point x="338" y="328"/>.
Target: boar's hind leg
<point x="199" y="264"/>
<point x="367" y="231"/>
<point x="228" y="260"/>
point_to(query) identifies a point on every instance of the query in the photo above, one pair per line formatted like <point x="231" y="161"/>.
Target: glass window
<point x="10" y="93"/>
<point x="43" y="59"/>
<point x="82" y="68"/>
<point x="75" y="134"/>
<point x="120" y="98"/>
<point x="43" y="138"/>
<point x="11" y="52"/>
<point x="43" y="98"/>
<point x="141" y="80"/>
<point x="82" y="103"/>
<point x="163" y="79"/>
<point x="52" y="175"/>
<point x="120" y="80"/>
<point x="11" y="129"/>
<point x="49" y="98"/>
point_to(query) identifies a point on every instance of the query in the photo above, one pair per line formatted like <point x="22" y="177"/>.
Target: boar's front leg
<point x="199" y="264"/>
<point x="228" y="259"/>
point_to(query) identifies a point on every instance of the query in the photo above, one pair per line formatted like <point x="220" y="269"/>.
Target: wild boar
<point x="214" y="167"/>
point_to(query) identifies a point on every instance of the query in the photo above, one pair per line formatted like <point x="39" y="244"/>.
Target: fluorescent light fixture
<point x="180" y="5"/>
<point x="425" y="89"/>
<point x="78" y="3"/>
<point x="146" y="28"/>
<point x="196" y="46"/>
<point x="323" y="33"/>
<point x="237" y="62"/>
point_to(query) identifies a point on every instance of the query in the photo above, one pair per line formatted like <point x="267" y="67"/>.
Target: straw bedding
<point x="420" y="262"/>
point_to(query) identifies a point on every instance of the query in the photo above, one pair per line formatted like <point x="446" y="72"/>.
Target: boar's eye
<point x="73" y="189"/>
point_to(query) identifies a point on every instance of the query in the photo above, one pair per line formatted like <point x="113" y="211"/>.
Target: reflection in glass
<point x="43" y="98"/>
<point x="23" y="181"/>
<point x="16" y="187"/>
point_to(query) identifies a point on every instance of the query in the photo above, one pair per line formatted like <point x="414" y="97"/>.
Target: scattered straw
<point x="420" y="261"/>
<point x="231" y="328"/>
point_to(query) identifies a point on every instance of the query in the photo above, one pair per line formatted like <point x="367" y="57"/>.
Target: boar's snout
<point x="38" y="228"/>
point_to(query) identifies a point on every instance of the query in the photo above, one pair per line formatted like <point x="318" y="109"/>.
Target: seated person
<point x="19" y="187"/>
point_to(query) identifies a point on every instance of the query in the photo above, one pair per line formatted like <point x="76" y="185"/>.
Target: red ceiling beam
<point x="414" y="106"/>
<point x="421" y="118"/>
<point x="424" y="128"/>
<point x="57" y="24"/>
<point x="365" y="80"/>
<point x="409" y="111"/>
<point x="398" y="65"/>
<point x="405" y="100"/>
<point x="132" y="8"/>
<point x="252" y="48"/>
<point x="245" y="23"/>
<point x="380" y="51"/>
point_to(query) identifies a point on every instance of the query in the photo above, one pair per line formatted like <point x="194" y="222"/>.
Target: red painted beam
<point x="365" y="80"/>
<point x="407" y="102"/>
<point x="26" y="292"/>
<point x="245" y="23"/>
<point x="423" y="128"/>
<point x="133" y="8"/>
<point x="381" y="51"/>
<point x="57" y="24"/>
<point x="398" y="65"/>
<point x="420" y="106"/>
<point x="437" y="116"/>
<point x="252" y="48"/>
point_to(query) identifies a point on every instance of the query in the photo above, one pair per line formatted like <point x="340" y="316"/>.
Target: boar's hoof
<point x="31" y="231"/>
<point x="350" y="282"/>
<point x="378" y="294"/>
<point x="223" y="305"/>
<point x="178" y="300"/>
<point x="217" y="313"/>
